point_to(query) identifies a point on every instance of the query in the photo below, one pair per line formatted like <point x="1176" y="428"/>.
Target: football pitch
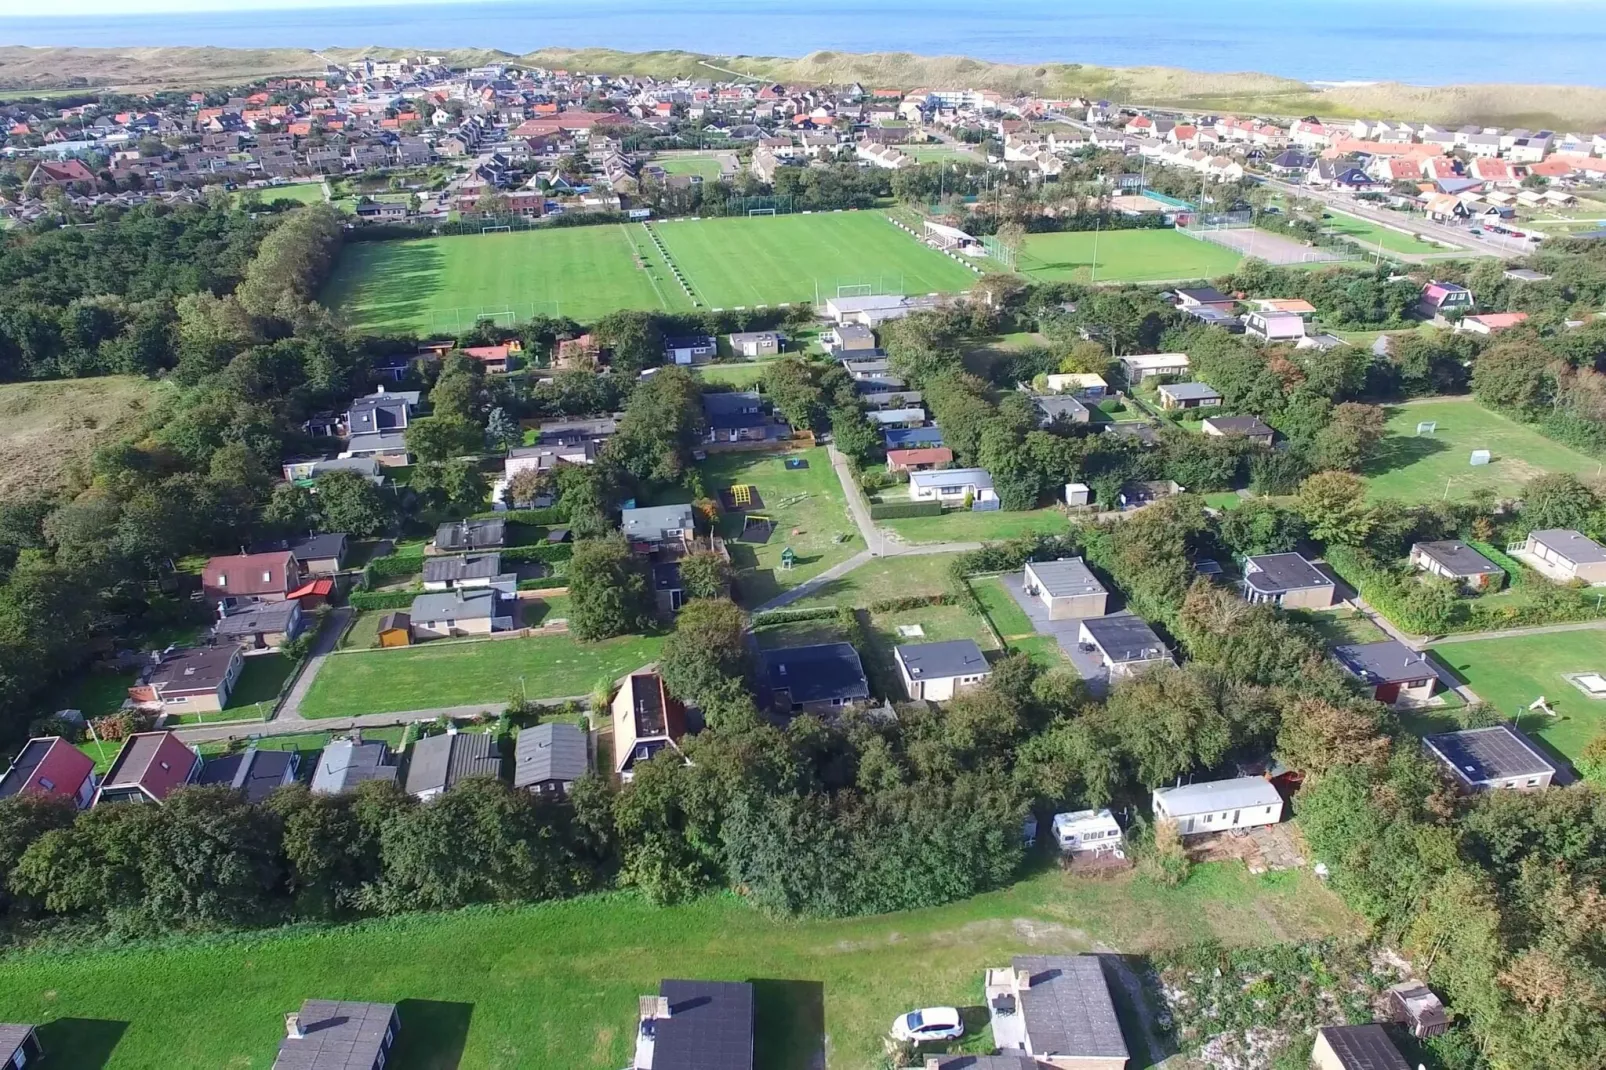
<point x="1122" y="256"/>
<point x="445" y="284"/>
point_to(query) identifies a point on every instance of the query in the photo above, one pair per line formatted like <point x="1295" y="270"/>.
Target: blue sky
<point x="138" y="7"/>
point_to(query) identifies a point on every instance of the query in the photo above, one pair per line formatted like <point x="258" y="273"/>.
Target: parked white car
<point x="929" y="1023"/>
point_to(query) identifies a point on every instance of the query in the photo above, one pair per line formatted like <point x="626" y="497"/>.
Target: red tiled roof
<point x="320" y="588"/>
<point x="932" y="455"/>
<point x="248" y="574"/>
<point x="1499" y="321"/>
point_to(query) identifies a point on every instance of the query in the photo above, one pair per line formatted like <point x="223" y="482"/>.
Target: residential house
<point x="823" y="678"/>
<point x="952" y="486"/>
<point x="919" y="460"/>
<point x="1085" y="386"/>
<point x="690" y="349"/>
<point x="1418" y="1009"/>
<point x="874" y="367"/>
<point x="465" y="536"/>
<point x="1251" y="427"/>
<point x="1440" y="300"/>
<point x="1491" y="322"/>
<point x="1175" y="396"/>
<point x="439" y="763"/>
<point x="874" y="310"/>
<point x="345" y="763"/>
<point x="315" y="555"/>
<point x="882" y="394"/>
<point x="1391" y="670"/>
<point x="657" y="525"/>
<point x="912" y="416"/>
<point x="1139" y="368"/>
<point x="1355" y="1047"/>
<point x="383" y="211"/>
<point x="548" y="758"/>
<point x="1124" y="644"/>
<point x="1087" y="832"/>
<point x="338" y="1035"/>
<point x="1274" y="326"/>
<point x="19" y="1046"/>
<point x="849" y="337"/>
<point x="738" y="416"/>
<point x="253" y="772"/>
<point x="377" y="425"/>
<point x="1067" y="588"/>
<point x="49" y="765"/>
<point x="1452" y="559"/>
<point x="189" y="679"/>
<point x="461" y="570"/>
<point x="1220" y="805"/>
<point x="476" y="611"/>
<point x="269" y="577"/>
<point x="395" y="629"/>
<point x="1287" y="580"/>
<point x="1568" y="555"/>
<point x="696" y="1025"/>
<point x="149" y="767"/>
<point x="1059" y="409"/>
<point x="938" y="671"/>
<point x="257" y="625"/>
<point x="1204" y="297"/>
<point x="754" y="344"/>
<point x="1487" y="759"/>
<point x="646" y="720"/>
<point x="1057" y="1010"/>
<point x="903" y="438"/>
<point x="497" y="359"/>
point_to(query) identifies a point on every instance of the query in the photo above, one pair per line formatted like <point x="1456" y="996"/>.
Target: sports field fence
<point x="999" y="251"/>
<point x="773" y="204"/>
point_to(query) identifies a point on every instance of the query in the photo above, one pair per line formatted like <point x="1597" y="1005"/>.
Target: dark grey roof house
<point x="819" y="678"/>
<point x="549" y="758"/>
<point x="1125" y="643"/>
<point x="1455" y="560"/>
<point x="255" y="773"/>
<point x="696" y="1025"/>
<point x="19" y="1046"/>
<point x="1356" y="1047"/>
<point x="1500" y="756"/>
<point x="460" y="536"/>
<point x="1251" y="427"/>
<point x="321" y="555"/>
<point x="936" y="671"/>
<point x="1059" y="408"/>
<point x="1287" y="580"/>
<point x="345" y="763"/>
<point x="455" y="570"/>
<point x="1061" y="1009"/>
<point x="335" y="1035"/>
<point x="438" y="763"/>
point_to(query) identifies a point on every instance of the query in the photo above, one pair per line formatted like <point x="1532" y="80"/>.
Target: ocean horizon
<point x="1432" y="42"/>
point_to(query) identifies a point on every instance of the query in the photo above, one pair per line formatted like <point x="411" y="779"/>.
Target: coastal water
<point x="1425" y="42"/>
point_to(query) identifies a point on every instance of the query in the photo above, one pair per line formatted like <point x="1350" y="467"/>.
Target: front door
<point x="1388" y="694"/>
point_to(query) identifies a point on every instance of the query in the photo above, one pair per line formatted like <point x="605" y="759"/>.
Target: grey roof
<point x="1363" y="1047"/>
<point x="1459" y="558"/>
<point x="438" y="762"/>
<point x="1275" y="573"/>
<point x="1481" y="755"/>
<point x="986" y="1062"/>
<point x="1388" y="662"/>
<point x="310" y="547"/>
<point x="377" y="442"/>
<point x="857" y="331"/>
<point x="560" y="432"/>
<point x="256" y="618"/>
<point x="1189" y="391"/>
<point x="1066" y="578"/>
<point x="873" y="366"/>
<point x="1575" y="546"/>
<point x="1253" y="426"/>
<point x="459" y="567"/>
<point x="346" y="763"/>
<point x="471" y="535"/>
<point x="364" y="466"/>
<point x="255" y="772"/>
<point x="979" y="478"/>
<point x="1125" y="637"/>
<point x="710" y="1026"/>
<point x="729" y="402"/>
<point x="938" y="661"/>
<point x="883" y="384"/>
<point x="1210" y="796"/>
<point x="455" y="605"/>
<point x="1067" y="1009"/>
<point x="818" y="673"/>
<point x="1205" y="295"/>
<point x="552" y="751"/>
<point x="650" y="523"/>
<point x="338" y="1036"/>
<point x="738" y="337"/>
<point x="13" y="1037"/>
<point x="1055" y="406"/>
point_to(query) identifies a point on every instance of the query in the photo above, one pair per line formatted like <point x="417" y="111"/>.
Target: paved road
<point x="1457" y="236"/>
<point x="1514" y="633"/>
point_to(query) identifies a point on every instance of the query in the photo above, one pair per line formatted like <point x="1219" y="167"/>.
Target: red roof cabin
<point x="918" y="460"/>
<point x="149" y="768"/>
<point x="49" y="765"/>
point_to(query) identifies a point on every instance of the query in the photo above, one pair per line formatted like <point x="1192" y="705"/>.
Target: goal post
<point x="751" y="212"/>
<point x="504" y="229"/>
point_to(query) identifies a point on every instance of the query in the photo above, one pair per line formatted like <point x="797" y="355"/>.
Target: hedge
<point x="535" y="518"/>
<point x="392" y="567"/>
<point x="899" y="510"/>
<point x="788" y="616"/>
<point x="543" y="583"/>
<point x="914" y="601"/>
<point x="547" y="553"/>
<point x="383" y="599"/>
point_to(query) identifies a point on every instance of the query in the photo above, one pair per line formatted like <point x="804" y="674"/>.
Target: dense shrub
<point x="899" y="510"/>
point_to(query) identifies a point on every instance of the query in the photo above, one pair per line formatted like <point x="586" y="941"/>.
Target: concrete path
<point x="857" y="506"/>
<point x="1517" y="633"/>
<point x="1416" y="643"/>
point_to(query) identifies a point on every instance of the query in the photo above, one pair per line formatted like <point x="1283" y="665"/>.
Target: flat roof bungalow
<point x="1251" y="427"/>
<point x="950" y="486"/>
<point x="1220" y="805"/>
<point x="1188" y="395"/>
<point x="1139" y="368"/>
<point x="820" y="678"/>
<point x="753" y="344"/>
<point x="439" y="763"/>
<point x="1056" y="1008"/>
<point x="1287" y="580"/>
<point x="1567" y="555"/>
<point x="1484" y="759"/>
<point x="658" y="524"/>
<point x="49" y="765"/>
<point x="331" y="1034"/>
<point x="1393" y="671"/>
<point x="696" y="1025"/>
<point x="1452" y="559"/>
<point x="1059" y="409"/>
<point x="1204" y="296"/>
<point x="1067" y="588"/>
<point x="345" y="763"/>
<point x="1124" y="643"/>
<point x="938" y="671"/>
<point x="900" y="438"/>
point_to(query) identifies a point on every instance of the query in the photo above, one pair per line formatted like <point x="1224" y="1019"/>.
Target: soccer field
<point x="1123" y="256"/>
<point x="780" y="259"/>
<point x="445" y="284"/>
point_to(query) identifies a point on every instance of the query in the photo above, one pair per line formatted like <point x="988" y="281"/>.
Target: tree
<point x="608" y="592"/>
<point x="502" y="431"/>
<point x="434" y="439"/>
<point x="1317" y="736"/>
<point x="349" y="502"/>
<point x="663" y="423"/>
<point x="704" y="574"/>
<point x="1011" y="235"/>
<point x="1334" y="505"/>
<point x="1557" y="500"/>
<point x="635" y="339"/>
<point x="329" y="850"/>
<point x="1513" y="375"/>
<point x="792" y="386"/>
<point x="24" y="819"/>
<point x="1350" y="437"/>
<point x="459" y="391"/>
<point x="707" y="648"/>
<point x="1259" y="526"/>
<point x="527" y="485"/>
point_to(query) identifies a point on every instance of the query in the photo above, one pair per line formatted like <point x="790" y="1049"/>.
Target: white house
<point x="952" y="485"/>
<point x="1220" y="805"/>
<point x="938" y="671"/>
<point x="1141" y="367"/>
<point x="1088" y="832"/>
<point x="1275" y="326"/>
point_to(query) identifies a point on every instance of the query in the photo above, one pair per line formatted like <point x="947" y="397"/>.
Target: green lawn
<point x="466" y="673"/>
<point x="1511" y="673"/>
<point x="95" y="693"/>
<point x="1123" y="256"/>
<point x="740" y="376"/>
<point x="1369" y="235"/>
<point x="1417" y="468"/>
<point x="1006" y="614"/>
<point x="883" y="578"/>
<point x="937" y="624"/>
<point x="254" y="696"/>
<point x="443" y="284"/>
<point x="556" y="985"/>
<point x="781" y="259"/>
<point x="706" y="166"/>
<point x="960" y="525"/>
<point x="1340" y="626"/>
<point x="945" y="151"/>
<point x="300" y="192"/>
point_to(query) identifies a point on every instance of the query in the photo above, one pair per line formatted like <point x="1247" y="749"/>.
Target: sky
<point x="141" y="7"/>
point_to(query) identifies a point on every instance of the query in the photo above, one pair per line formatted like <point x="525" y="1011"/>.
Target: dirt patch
<point x="46" y="428"/>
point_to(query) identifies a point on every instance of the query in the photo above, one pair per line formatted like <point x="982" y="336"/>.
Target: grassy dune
<point x="46" y="428"/>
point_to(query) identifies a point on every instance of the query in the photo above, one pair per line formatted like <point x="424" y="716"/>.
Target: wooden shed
<point x="396" y="629"/>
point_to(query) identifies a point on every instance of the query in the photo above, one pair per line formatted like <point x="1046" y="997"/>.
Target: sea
<point x="1422" y="42"/>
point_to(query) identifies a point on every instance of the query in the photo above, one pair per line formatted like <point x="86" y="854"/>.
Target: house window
<point x="451" y="624"/>
<point x="223" y="581"/>
<point x="267" y="577"/>
<point x="1533" y="781"/>
<point x="175" y="701"/>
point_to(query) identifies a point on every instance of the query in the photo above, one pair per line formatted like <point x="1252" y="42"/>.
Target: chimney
<point x="292" y="1027"/>
<point x="1023" y="980"/>
<point x="654" y="1008"/>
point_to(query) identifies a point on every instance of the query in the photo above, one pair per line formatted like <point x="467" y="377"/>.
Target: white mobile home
<point x="1220" y="805"/>
<point x="951" y="485"/>
<point x="1088" y="832"/>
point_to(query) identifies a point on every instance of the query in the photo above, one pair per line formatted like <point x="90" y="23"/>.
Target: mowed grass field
<point x="1415" y="468"/>
<point x="771" y="260"/>
<point x="1123" y="256"/>
<point x="1512" y="673"/>
<point x="488" y="671"/>
<point x="1370" y="235"/>
<point x="556" y="985"/>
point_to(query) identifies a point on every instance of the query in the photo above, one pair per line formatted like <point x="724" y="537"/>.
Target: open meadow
<point x="1123" y="256"/>
<point x="46" y="427"/>
<point x="1369" y="236"/>
<point x="1511" y="673"/>
<point x="1415" y="468"/>
<point x="555" y="985"/>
